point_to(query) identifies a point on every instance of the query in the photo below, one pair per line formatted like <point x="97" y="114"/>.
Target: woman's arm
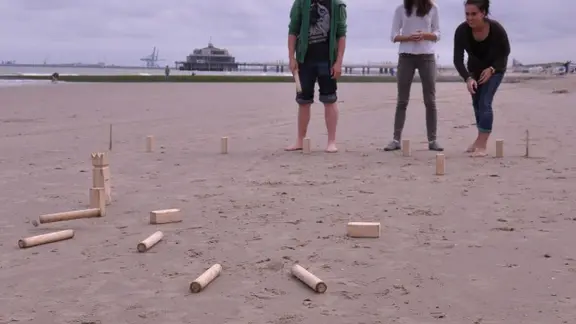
<point x="435" y="34"/>
<point x="459" y="41"/>
<point x="397" y="27"/>
<point x="501" y="51"/>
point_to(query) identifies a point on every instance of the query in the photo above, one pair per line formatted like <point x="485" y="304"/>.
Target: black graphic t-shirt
<point x="319" y="33"/>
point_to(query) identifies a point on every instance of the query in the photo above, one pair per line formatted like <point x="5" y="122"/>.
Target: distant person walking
<point x="316" y="45"/>
<point x="487" y="45"/>
<point x="416" y="26"/>
<point x="167" y="72"/>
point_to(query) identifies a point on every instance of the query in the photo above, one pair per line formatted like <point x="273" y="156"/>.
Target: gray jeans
<point x="407" y="65"/>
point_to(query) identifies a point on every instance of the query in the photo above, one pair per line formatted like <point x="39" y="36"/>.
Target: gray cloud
<point x="123" y="31"/>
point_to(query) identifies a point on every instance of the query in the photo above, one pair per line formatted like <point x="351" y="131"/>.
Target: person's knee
<point x="328" y="98"/>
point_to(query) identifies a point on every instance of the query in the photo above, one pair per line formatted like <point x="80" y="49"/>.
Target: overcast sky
<point x="122" y="31"/>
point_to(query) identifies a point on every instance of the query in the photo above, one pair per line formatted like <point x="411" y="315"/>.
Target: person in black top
<point x="487" y="45"/>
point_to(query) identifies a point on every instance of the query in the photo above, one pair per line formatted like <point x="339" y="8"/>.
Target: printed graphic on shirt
<point x="319" y="28"/>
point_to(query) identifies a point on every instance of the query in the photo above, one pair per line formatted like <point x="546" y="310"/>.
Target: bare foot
<point x="479" y="153"/>
<point x="470" y="149"/>
<point x="331" y="148"/>
<point x="293" y="148"/>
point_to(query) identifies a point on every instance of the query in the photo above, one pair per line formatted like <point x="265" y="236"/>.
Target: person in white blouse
<point x="416" y="26"/>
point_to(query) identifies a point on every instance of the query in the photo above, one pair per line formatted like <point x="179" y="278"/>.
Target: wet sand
<point x="492" y="241"/>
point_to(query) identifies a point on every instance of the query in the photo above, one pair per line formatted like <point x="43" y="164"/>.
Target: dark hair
<point x="483" y="5"/>
<point x="423" y="7"/>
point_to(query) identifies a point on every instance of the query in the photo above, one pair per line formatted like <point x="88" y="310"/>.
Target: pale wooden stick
<point x="297" y="82"/>
<point x="150" y="241"/>
<point x="309" y="279"/>
<point x="205" y="278"/>
<point x="45" y="238"/>
<point x="149" y="143"/>
<point x="65" y="216"/>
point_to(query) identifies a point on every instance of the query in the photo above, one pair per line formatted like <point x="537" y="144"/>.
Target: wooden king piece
<point x="101" y="174"/>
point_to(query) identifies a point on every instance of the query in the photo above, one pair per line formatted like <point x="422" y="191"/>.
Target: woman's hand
<point x="485" y="75"/>
<point x="472" y="85"/>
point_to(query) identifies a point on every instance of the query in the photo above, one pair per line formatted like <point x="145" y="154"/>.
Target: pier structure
<point x="281" y="67"/>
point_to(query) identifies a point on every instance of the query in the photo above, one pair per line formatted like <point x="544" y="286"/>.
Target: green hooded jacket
<point x="300" y="24"/>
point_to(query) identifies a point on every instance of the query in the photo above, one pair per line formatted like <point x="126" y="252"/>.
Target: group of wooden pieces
<point x="100" y="197"/>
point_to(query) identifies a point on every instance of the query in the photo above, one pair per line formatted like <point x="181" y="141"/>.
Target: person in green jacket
<point x="316" y="44"/>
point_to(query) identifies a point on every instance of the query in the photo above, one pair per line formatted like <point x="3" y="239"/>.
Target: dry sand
<point x="492" y="241"/>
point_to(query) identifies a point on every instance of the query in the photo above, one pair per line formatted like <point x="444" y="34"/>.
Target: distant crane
<point x="152" y="59"/>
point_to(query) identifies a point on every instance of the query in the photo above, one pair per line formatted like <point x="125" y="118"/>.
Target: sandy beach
<point x="491" y="241"/>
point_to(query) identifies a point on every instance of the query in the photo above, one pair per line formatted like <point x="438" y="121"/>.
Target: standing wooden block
<point x="98" y="200"/>
<point x="150" y="242"/>
<point x="224" y="145"/>
<point x="101" y="174"/>
<point x="406" y="150"/>
<point x="309" y="279"/>
<point x="205" y="278"/>
<point x="440" y="164"/>
<point x="499" y="148"/>
<point x="149" y="144"/>
<point x="165" y="216"/>
<point x="306" y="146"/>
<point x="363" y="229"/>
<point x="45" y="238"/>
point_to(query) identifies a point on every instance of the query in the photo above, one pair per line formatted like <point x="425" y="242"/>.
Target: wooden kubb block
<point x="165" y="216"/>
<point x="101" y="174"/>
<point x="363" y="229"/>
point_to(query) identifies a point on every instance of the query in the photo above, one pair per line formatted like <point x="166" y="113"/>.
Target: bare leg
<point x="303" y="121"/>
<point x="331" y="116"/>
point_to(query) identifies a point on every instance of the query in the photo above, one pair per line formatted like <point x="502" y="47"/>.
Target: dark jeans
<point x="482" y="103"/>
<point x="407" y="65"/>
<point x="309" y="73"/>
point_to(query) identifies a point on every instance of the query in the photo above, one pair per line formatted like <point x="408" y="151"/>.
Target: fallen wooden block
<point x="150" y="242"/>
<point x="165" y="216"/>
<point x="364" y="229"/>
<point x="70" y="215"/>
<point x="45" y="238"/>
<point x="309" y="279"/>
<point x="206" y="278"/>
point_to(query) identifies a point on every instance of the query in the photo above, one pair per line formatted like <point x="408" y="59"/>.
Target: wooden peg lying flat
<point x="499" y="148"/>
<point x="149" y="143"/>
<point x="406" y="150"/>
<point x="224" y="145"/>
<point x="440" y="164"/>
<point x="45" y="238"/>
<point x="165" y="216"/>
<point x="363" y="229"/>
<point x="150" y="242"/>
<point x="206" y="278"/>
<point x="306" y="146"/>
<point x="309" y="279"/>
<point x="65" y="216"/>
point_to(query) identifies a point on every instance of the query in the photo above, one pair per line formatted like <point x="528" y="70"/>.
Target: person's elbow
<point x="436" y="35"/>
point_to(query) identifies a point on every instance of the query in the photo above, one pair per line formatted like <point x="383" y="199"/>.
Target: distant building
<point x="209" y="59"/>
